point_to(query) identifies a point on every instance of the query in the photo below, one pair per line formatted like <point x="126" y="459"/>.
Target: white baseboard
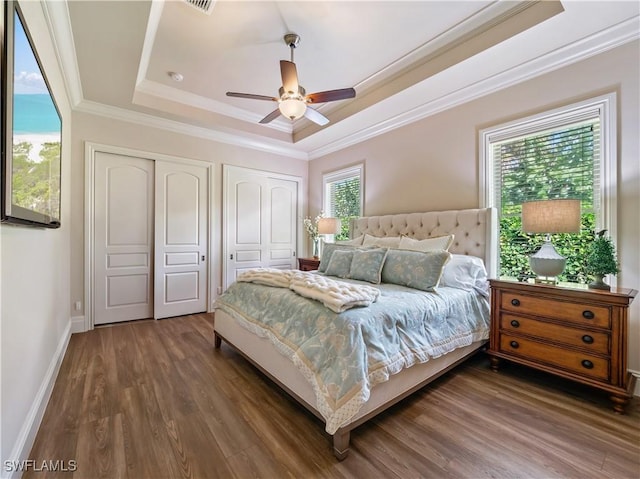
<point x="636" y="390"/>
<point x="78" y="324"/>
<point x="32" y="422"/>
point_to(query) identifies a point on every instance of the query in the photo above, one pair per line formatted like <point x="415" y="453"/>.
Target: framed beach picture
<point x="31" y="133"/>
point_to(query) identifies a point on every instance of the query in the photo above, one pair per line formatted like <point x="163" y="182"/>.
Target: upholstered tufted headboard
<point x="474" y="230"/>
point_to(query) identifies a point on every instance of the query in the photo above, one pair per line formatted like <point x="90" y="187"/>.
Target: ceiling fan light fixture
<point x="292" y="108"/>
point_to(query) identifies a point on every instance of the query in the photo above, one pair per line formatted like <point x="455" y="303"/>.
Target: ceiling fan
<point x="293" y="101"/>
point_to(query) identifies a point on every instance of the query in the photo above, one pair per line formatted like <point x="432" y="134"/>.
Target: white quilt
<point x="336" y="295"/>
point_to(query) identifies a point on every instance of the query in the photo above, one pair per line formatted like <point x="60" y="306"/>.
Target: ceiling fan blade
<point x="251" y="96"/>
<point x="289" y="76"/>
<point x="271" y="116"/>
<point x="331" y="95"/>
<point x="316" y="117"/>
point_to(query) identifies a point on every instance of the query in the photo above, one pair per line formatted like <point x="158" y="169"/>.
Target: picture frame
<point x="30" y="164"/>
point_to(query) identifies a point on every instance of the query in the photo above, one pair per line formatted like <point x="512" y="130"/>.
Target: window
<point x="342" y="196"/>
<point x="565" y="153"/>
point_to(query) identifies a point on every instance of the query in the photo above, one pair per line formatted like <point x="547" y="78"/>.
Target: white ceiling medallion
<point x="205" y="6"/>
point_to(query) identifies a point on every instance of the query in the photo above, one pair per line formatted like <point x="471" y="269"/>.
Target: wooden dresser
<point x="576" y="333"/>
<point x="308" y="264"/>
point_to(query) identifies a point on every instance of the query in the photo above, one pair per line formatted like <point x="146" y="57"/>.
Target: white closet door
<point x="180" y="239"/>
<point x="260" y="218"/>
<point x="123" y="261"/>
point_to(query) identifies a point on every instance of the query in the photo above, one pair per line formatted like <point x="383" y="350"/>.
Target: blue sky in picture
<point x="27" y="77"/>
<point x="33" y="108"/>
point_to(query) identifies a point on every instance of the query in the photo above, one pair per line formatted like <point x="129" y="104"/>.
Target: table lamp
<point x="329" y="226"/>
<point x="549" y="217"/>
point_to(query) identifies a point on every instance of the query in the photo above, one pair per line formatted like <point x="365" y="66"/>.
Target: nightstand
<point x="308" y="264"/>
<point x="576" y="333"/>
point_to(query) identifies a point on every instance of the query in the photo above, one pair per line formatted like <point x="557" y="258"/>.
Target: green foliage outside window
<point x="550" y="165"/>
<point x="345" y="195"/>
<point x="516" y="247"/>
<point x="35" y="184"/>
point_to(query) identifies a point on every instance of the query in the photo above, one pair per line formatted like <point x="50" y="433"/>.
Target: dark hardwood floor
<point x="153" y="399"/>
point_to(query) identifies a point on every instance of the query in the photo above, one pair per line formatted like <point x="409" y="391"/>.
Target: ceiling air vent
<point x="205" y="6"/>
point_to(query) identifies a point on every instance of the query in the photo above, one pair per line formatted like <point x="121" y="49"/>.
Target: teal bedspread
<point x="344" y="355"/>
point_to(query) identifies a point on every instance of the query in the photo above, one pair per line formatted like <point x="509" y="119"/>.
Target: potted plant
<point x="601" y="261"/>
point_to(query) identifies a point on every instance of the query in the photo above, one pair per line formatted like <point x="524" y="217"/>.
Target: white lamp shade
<point x="292" y="108"/>
<point x="329" y="226"/>
<point x="551" y="216"/>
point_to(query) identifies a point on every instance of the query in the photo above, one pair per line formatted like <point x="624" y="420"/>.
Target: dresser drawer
<point x="577" y="362"/>
<point x="582" y="314"/>
<point x="596" y="342"/>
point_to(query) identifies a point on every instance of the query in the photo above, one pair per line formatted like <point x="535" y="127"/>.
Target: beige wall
<point x="105" y="131"/>
<point x="34" y="290"/>
<point x="433" y="164"/>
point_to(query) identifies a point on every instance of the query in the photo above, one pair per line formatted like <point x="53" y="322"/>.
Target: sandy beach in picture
<point x="36" y="140"/>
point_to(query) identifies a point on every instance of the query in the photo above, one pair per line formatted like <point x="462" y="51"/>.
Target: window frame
<point x="605" y="108"/>
<point x="342" y="174"/>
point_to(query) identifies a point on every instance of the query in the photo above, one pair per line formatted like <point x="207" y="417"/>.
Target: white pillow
<point x="429" y="244"/>
<point x="352" y="242"/>
<point x="465" y="272"/>
<point x="385" y="242"/>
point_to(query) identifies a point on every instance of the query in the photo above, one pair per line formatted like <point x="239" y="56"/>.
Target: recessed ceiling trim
<point x="600" y="42"/>
<point x="489" y="16"/>
<point x="149" y="38"/>
<point x="243" y="140"/>
<point x="203" y="103"/>
<point x="59" y="23"/>
<point x="446" y="51"/>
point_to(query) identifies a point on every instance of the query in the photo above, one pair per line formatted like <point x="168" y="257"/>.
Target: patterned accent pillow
<point x="415" y="269"/>
<point x="327" y="251"/>
<point x="367" y="264"/>
<point x="429" y="244"/>
<point x="383" y="242"/>
<point x="340" y="264"/>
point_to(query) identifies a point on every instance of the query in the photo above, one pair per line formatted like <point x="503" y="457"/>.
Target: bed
<point x="408" y="369"/>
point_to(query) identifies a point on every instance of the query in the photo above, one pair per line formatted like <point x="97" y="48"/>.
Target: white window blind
<point x="560" y="163"/>
<point x="343" y="196"/>
<point x="569" y="152"/>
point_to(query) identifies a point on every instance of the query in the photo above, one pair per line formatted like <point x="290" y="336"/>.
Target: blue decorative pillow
<point x="340" y="264"/>
<point x="327" y="251"/>
<point x="415" y="269"/>
<point x="367" y="264"/>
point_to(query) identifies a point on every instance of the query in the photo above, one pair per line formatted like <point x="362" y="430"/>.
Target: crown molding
<point x="240" y="139"/>
<point x="600" y="42"/>
<point x="58" y="20"/>
<point x="193" y="100"/>
<point x="59" y="24"/>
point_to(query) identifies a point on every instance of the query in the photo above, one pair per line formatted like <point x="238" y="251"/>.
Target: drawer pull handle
<point x="587" y="339"/>
<point x="515" y="302"/>
<point x="587" y="364"/>
<point x="515" y="324"/>
<point x="514" y="344"/>
<point x="588" y="314"/>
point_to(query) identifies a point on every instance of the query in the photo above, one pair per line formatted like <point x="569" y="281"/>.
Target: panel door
<point x="123" y="238"/>
<point x="180" y="239"/>
<point x="260" y="215"/>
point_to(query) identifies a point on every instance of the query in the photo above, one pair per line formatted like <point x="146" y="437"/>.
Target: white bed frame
<point x="474" y="235"/>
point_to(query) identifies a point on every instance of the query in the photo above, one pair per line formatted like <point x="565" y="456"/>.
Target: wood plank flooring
<point x="153" y="399"/>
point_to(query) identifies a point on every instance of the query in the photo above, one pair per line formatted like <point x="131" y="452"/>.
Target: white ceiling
<point x="406" y="60"/>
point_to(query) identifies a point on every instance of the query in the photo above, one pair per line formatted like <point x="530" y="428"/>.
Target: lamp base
<point x="547" y="263"/>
